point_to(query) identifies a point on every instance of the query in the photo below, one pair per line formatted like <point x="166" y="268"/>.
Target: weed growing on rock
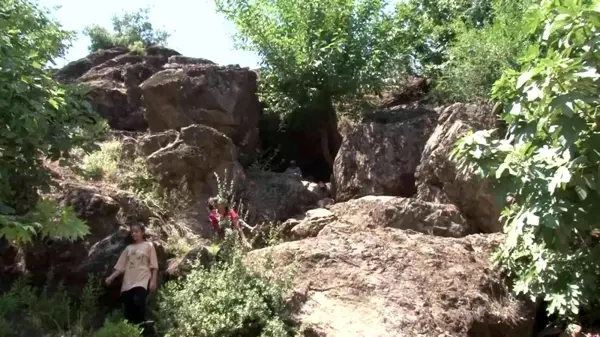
<point x="178" y="244"/>
<point x="107" y="164"/>
<point x="104" y="163"/>
<point x="137" y="178"/>
<point x="227" y="192"/>
<point x="270" y="234"/>
<point x="264" y="161"/>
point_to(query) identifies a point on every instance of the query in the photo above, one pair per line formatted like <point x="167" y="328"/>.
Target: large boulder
<point x="75" y="69"/>
<point x="380" y="155"/>
<point x="188" y="161"/>
<point x="389" y="282"/>
<point x="381" y="212"/>
<point x="271" y="196"/>
<point x="113" y="77"/>
<point x="437" y="177"/>
<point x="203" y="93"/>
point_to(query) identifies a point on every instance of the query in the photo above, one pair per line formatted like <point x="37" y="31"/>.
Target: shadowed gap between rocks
<point x="280" y="146"/>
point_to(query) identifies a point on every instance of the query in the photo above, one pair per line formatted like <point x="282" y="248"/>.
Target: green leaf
<point x="581" y="192"/>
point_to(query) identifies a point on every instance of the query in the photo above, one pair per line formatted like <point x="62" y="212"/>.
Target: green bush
<point x="228" y="300"/>
<point x="45" y="219"/>
<point x="136" y="177"/>
<point x="548" y="164"/>
<point x="478" y="56"/>
<point x="100" y="38"/>
<point x="477" y="60"/>
<point x="130" y="29"/>
<point x="50" y="310"/>
<point x="118" y="329"/>
<point x="104" y="163"/>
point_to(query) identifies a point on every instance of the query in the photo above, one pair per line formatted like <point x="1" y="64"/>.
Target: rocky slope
<point x="163" y="90"/>
<point x="403" y="252"/>
<point x="362" y="268"/>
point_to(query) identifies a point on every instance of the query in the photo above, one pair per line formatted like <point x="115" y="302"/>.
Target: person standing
<point x="139" y="265"/>
<point x="213" y="218"/>
<point x="293" y="170"/>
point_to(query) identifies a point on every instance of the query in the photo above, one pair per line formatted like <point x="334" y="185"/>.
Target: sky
<point x="196" y="29"/>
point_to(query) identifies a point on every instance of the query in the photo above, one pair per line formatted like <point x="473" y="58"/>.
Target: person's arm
<point x="119" y="267"/>
<point x="234" y="222"/>
<point x="153" y="268"/>
<point x="246" y="225"/>
<point x="113" y="276"/>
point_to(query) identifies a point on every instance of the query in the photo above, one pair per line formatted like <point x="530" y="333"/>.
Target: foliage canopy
<point x="131" y="29"/>
<point x="40" y="119"/>
<point x="316" y="52"/>
<point x="548" y="163"/>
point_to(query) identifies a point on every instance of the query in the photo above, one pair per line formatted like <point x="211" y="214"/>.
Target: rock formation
<point x="380" y="157"/>
<point x="389" y="282"/>
<point x="179" y="91"/>
<point x="220" y="97"/>
<point x="400" y="253"/>
<point x="437" y="177"/>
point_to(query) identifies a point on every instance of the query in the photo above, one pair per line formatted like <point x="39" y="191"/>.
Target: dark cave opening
<point x="406" y="186"/>
<point x="280" y="146"/>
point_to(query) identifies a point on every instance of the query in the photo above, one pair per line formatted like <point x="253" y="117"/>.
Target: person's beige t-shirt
<point x="136" y="263"/>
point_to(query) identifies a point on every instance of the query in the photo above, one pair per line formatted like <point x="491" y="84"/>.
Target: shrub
<point x="104" y="163"/>
<point x="137" y="178"/>
<point x="50" y="310"/>
<point x="118" y="329"/>
<point x="46" y="219"/>
<point x="476" y="61"/>
<point x="178" y="244"/>
<point x="478" y="55"/>
<point x="229" y="300"/>
<point x="131" y="29"/>
<point x="100" y="38"/>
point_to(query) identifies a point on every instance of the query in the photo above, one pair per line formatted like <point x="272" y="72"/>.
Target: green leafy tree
<point x="478" y="55"/>
<point x="430" y="27"/>
<point x="547" y="166"/>
<point x="316" y="53"/>
<point x="129" y="30"/>
<point x="39" y="118"/>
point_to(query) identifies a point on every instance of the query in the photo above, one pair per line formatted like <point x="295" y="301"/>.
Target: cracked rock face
<point x="380" y="157"/>
<point x="437" y="177"/>
<point x="387" y="282"/>
<point x="380" y="212"/>
<point x="389" y="266"/>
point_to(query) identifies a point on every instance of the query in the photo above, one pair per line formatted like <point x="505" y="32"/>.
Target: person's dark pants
<point x="134" y="303"/>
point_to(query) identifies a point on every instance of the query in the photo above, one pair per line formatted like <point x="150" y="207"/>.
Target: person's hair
<point x="223" y="202"/>
<point x="142" y="228"/>
<point x="210" y="206"/>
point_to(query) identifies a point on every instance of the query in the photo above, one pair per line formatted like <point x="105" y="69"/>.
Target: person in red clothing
<point x="213" y="217"/>
<point x="229" y="219"/>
